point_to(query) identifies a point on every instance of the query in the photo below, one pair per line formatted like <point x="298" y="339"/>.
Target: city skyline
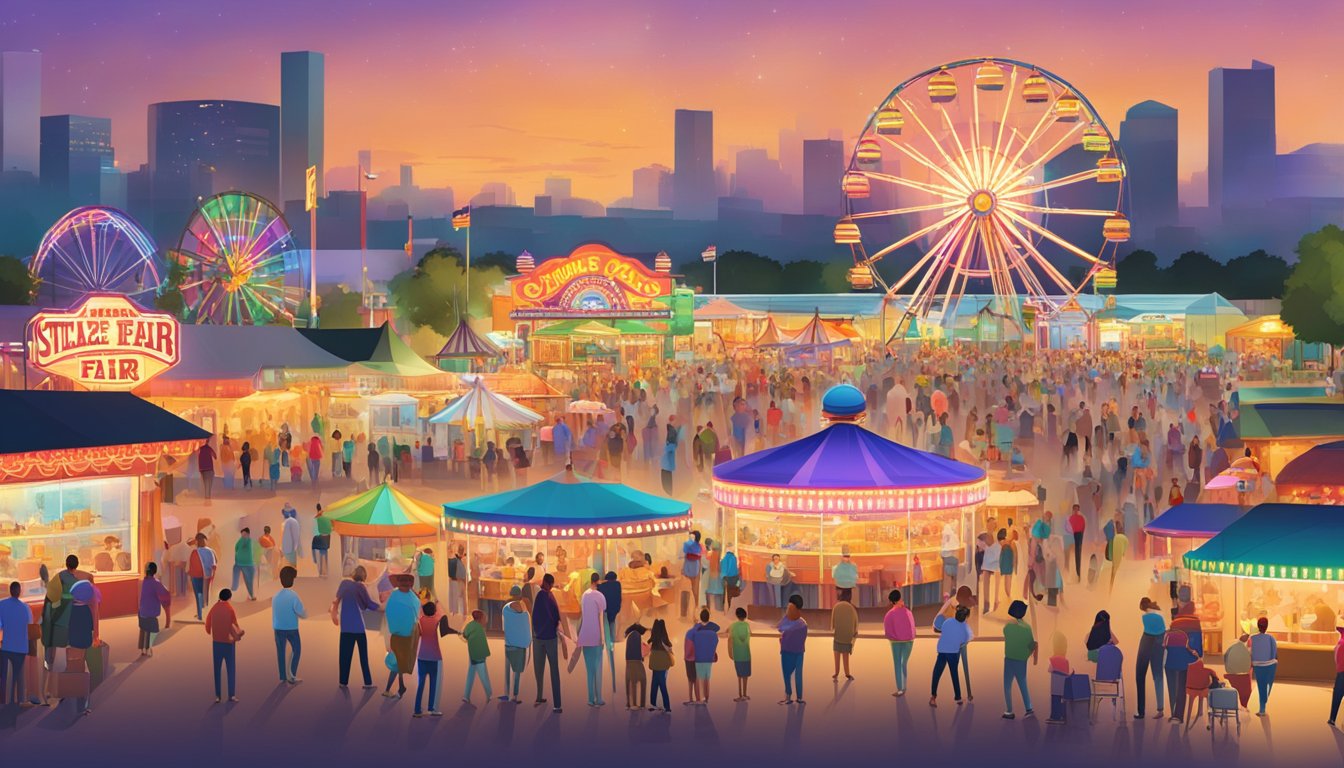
<point x="469" y="117"/>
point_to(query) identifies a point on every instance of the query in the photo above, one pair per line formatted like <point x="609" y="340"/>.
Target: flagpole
<point x="468" y="298"/>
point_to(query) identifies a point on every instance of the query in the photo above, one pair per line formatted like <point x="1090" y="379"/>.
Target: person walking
<point x="845" y="630"/>
<point x="792" y="645"/>
<point x="661" y="660"/>
<point x="1077" y="524"/>
<point x="705" y="637"/>
<point x="314" y="459"/>
<point x="1151" y="656"/>
<point x="321" y="541"/>
<point x="478" y="651"/>
<point x="1264" y="661"/>
<point x="457" y="581"/>
<point x="154" y="599"/>
<point x="352" y="599"/>
<point x="1336" y="694"/>
<point x="286" y="610"/>
<point x="424" y="577"/>
<point x="1179" y="657"/>
<point x="692" y="553"/>
<point x="402" y="611"/>
<point x="610" y="587"/>
<point x="245" y="463"/>
<point x="546" y="640"/>
<point x="593" y="638"/>
<point x="245" y="562"/>
<point x="636" y="682"/>
<point x="221" y="623"/>
<point x="668" y="462"/>
<point x="1019" y="644"/>
<point x="955" y="633"/>
<point x="428" y="659"/>
<point x="15" y="619"/>
<point x="517" y="640"/>
<point x="899" y="627"/>
<point x="291" y="547"/>
<point x="205" y="464"/>
<point x="201" y="566"/>
<point x="739" y="650"/>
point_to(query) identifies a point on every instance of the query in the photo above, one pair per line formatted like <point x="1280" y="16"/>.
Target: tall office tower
<point x="302" y="114"/>
<point x="652" y="185"/>
<point x="407" y="176"/>
<point x="542" y="205"/>
<point x="694" y="192"/>
<point x="20" y="111"/>
<point x="1241" y="136"/>
<point x="823" y="168"/>
<point x="76" y="152"/>
<point x="1148" y="139"/>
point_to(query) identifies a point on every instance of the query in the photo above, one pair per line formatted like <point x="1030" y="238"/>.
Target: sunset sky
<point x="517" y="90"/>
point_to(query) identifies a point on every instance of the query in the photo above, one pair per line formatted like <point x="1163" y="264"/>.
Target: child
<point x="478" y="650"/>
<point x="739" y="650"/>
<point x="1059" y="665"/>
<point x="428" y="658"/>
<point x="221" y="623"/>
<point x="635" y="651"/>
<point x="660" y="661"/>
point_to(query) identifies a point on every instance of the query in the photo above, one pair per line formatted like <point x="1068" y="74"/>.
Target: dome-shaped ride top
<point x="843" y="400"/>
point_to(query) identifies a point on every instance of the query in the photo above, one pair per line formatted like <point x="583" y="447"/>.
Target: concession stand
<point x="382" y="525"/>
<point x="905" y="517"/>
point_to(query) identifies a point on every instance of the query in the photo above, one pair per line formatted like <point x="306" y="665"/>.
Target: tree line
<point x="1257" y="275"/>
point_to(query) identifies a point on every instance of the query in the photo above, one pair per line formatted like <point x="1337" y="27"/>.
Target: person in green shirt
<point x="739" y="650"/>
<point x="1019" y="644"/>
<point x="245" y="562"/>
<point x="321" y="541"/>
<point x="478" y="650"/>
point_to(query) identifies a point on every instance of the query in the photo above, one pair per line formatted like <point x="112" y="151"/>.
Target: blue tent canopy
<point x="569" y="505"/>
<point x="1192" y="520"/>
<point x="846" y="456"/>
<point x="1277" y="541"/>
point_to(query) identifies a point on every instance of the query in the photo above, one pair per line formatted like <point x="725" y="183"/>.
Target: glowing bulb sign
<point x="105" y="343"/>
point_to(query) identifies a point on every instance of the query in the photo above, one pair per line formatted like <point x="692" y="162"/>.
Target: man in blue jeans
<point x="15" y="616"/>
<point x="286" y="610"/>
<point x="1019" y="644"/>
<point x="545" y="639"/>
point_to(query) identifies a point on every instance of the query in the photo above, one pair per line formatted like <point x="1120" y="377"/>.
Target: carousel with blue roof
<point x="848" y="504"/>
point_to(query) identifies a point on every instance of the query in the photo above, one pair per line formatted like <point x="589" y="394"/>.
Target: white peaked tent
<point x="482" y="410"/>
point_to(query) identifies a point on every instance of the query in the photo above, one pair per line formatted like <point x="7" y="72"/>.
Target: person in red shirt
<point x="1077" y="524"/>
<point x="222" y="625"/>
<point x="314" y="458"/>
<point x="773" y="417"/>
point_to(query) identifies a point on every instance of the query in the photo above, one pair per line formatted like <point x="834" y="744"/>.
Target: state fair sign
<point x="107" y="342"/>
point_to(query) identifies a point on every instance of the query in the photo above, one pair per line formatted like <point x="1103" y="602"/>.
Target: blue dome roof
<point x="843" y="400"/>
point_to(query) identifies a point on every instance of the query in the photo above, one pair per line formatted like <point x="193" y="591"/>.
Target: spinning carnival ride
<point x="96" y="250"/>
<point x="990" y="166"/>
<point x="242" y="266"/>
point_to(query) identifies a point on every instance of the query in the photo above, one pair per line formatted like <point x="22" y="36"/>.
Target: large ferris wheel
<point x="1002" y="174"/>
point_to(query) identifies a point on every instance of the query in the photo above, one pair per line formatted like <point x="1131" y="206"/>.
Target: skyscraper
<point x="652" y="187"/>
<point x="1148" y="139"/>
<point x="694" y="194"/>
<point x="823" y="167"/>
<point x="76" y="152"/>
<point x="1241" y="136"/>
<point x="20" y="111"/>
<point x="559" y="189"/>
<point x="302" y="112"/>
<point x="407" y="176"/>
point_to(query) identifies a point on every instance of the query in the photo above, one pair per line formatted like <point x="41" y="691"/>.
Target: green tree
<point x="431" y="294"/>
<point x="170" y="297"/>
<point x="739" y="272"/>
<point x="339" y="308"/>
<point x="16" y="284"/>
<point x="1193" y="272"/>
<point x="1257" y="275"/>
<point x="1138" y="272"/>
<point x="1313" y="294"/>
<point x="505" y="261"/>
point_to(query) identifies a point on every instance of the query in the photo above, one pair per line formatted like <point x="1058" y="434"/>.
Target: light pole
<point x="364" y="241"/>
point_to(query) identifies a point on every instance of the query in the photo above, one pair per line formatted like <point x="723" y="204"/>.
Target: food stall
<point x="576" y="526"/>
<point x="76" y="477"/>
<point x="903" y="515"/>
<point x="1315" y="477"/>
<point x="382" y="526"/>
<point x="1281" y="562"/>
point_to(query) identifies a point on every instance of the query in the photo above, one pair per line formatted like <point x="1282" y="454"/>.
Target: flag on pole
<point x="462" y="218"/>
<point x="710" y="254"/>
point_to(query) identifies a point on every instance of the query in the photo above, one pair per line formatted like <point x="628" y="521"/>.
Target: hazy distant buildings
<point x="541" y="205"/>
<point x="1315" y="171"/>
<point x="407" y="176"/>
<point x="302" y="113"/>
<point x="20" y="111"/>
<point x="759" y="176"/>
<point x="1148" y="138"/>
<point x="76" y="154"/>
<point x="559" y="189"/>
<point x="694" y="192"/>
<point x="652" y="187"/>
<point x="823" y="167"/>
<point x="1241" y="136"/>
<point x="494" y="193"/>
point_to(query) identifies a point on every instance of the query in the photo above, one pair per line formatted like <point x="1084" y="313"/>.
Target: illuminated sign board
<point x="593" y="281"/>
<point x="105" y="343"/>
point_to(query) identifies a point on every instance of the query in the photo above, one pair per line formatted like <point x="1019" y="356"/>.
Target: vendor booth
<point x="1177" y="531"/>
<point x="1281" y="562"/>
<point x="1315" y="477"/>
<point x="903" y="516"/>
<point x="482" y="415"/>
<point x="1278" y="432"/>
<point x="572" y="526"/>
<point x="382" y="526"/>
<point x="77" y="477"/>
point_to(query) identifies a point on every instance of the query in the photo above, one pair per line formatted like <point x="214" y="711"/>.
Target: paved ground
<point x="163" y="708"/>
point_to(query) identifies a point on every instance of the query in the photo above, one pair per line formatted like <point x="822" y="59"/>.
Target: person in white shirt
<point x="286" y="610"/>
<point x="291" y="544"/>
<point x="990" y="572"/>
<point x="592" y="638"/>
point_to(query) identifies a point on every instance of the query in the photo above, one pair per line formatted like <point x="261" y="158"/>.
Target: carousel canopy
<point x="569" y="506"/>
<point x="1321" y="465"/>
<point x="490" y="410"/>
<point x="383" y="512"/>
<point x="1298" y="542"/>
<point x="466" y="343"/>
<point x="1191" y="520"/>
<point x="846" y="468"/>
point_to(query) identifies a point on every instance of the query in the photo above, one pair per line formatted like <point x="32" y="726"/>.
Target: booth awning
<point x="1018" y="498"/>
<point x="1296" y="542"/>
<point x="384" y="512"/>
<point x="40" y="420"/>
<point x="1192" y="520"/>
<point x="488" y="409"/>
<point x="1263" y="421"/>
<point x="1320" y="465"/>
<point x="569" y="505"/>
